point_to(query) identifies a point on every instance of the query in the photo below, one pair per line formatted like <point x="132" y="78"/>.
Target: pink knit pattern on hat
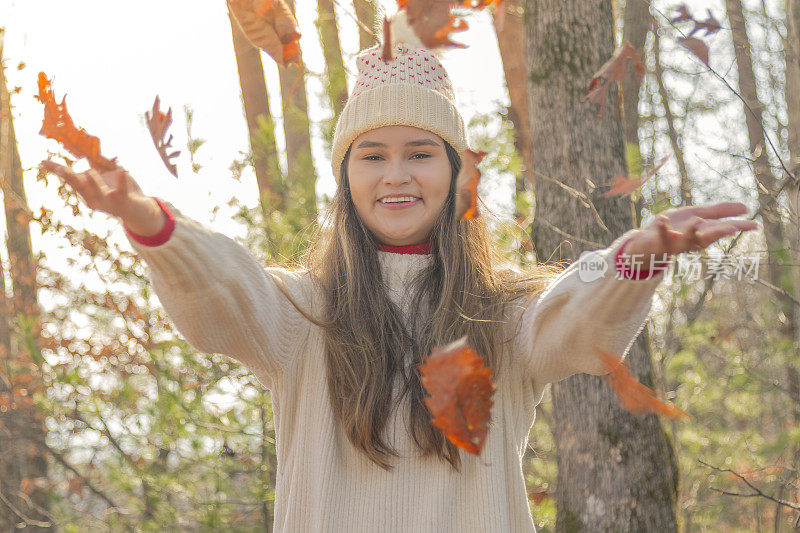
<point x="412" y="89"/>
<point x="409" y="65"/>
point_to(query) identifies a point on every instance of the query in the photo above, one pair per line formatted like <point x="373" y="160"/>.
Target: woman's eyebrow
<point x="418" y="142"/>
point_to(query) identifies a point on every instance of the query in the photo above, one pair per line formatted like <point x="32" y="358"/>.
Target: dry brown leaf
<point x="632" y="395"/>
<point x="467" y="185"/>
<point x="158" y="123"/>
<point x="612" y="70"/>
<point x="461" y="390"/>
<point x="624" y="185"/>
<point x="58" y="125"/>
<point x="270" y="26"/>
<point x="697" y="47"/>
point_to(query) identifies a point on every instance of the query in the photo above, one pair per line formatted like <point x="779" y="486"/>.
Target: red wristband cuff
<point x="627" y="272"/>
<point x="162" y="236"/>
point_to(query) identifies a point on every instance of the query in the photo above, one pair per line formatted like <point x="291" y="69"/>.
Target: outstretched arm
<point x="220" y="298"/>
<point x="600" y="302"/>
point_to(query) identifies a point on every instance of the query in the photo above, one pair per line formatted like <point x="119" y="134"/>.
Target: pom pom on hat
<point x="412" y="89"/>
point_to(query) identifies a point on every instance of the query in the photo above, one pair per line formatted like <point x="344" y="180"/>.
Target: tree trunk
<point x="766" y="183"/>
<point x="616" y="471"/>
<point x="636" y="22"/>
<point x="332" y="50"/>
<point x="365" y="14"/>
<point x="301" y="177"/>
<point x="686" y="186"/>
<point x="792" y="227"/>
<point x="514" y="64"/>
<point x="260" y="126"/>
<point x="20" y="424"/>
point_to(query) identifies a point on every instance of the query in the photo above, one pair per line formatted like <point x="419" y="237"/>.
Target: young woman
<point x="392" y="273"/>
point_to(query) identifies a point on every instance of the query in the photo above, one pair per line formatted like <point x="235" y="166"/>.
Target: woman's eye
<point x="377" y="157"/>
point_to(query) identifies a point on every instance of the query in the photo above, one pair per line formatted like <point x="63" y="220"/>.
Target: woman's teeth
<point x="397" y="199"/>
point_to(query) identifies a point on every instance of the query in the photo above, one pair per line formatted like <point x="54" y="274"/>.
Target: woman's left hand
<point x="684" y="229"/>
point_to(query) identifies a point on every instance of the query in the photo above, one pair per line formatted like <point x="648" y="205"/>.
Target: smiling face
<point x="399" y="181"/>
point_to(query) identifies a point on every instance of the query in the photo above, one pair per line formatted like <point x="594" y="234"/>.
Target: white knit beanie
<point x="412" y="89"/>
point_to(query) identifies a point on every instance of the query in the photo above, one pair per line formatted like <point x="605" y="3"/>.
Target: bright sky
<point x="112" y="58"/>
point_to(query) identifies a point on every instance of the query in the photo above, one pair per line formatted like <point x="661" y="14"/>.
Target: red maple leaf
<point x="467" y="185"/>
<point x="58" y="125"/>
<point x="612" y="70"/>
<point x="460" y="389"/>
<point x="632" y="395"/>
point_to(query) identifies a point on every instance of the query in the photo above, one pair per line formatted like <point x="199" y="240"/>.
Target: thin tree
<point x="21" y="426"/>
<point x="260" y="126"/>
<point x="301" y="176"/>
<point x="514" y="65"/>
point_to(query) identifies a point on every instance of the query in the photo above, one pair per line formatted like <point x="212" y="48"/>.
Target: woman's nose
<point x="397" y="173"/>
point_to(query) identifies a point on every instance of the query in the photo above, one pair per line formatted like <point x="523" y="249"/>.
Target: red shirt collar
<point x="420" y="249"/>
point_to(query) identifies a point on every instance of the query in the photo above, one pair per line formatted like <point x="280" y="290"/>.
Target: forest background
<point x="110" y="421"/>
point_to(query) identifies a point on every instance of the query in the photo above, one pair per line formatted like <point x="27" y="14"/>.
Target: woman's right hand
<point x="114" y="192"/>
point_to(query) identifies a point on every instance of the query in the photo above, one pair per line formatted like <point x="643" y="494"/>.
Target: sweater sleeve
<point x="221" y="299"/>
<point x="592" y="304"/>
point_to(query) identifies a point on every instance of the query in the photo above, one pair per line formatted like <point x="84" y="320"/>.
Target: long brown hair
<point x="464" y="291"/>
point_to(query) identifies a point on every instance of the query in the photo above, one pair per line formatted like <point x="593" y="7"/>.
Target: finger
<point x="692" y="235"/>
<point x="71" y="178"/>
<point x="719" y="210"/>
<point x="94" y="186"/>
<point x="714" y="231"/>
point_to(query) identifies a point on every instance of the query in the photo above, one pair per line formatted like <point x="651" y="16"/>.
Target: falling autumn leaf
<point x="612" y="70"/>
<point x="58" y="125"/>
<point x="387" y="40"/>
<point x="623" y="185"/>
<point x="683" y="15"/>
<point x="433" y="20"/>
<point x="460" y="389"/>
<point x="710" y="25"/>
<point x="270" y="26"/>
<point x="467" y="185"/>
<point x="158" y="123"/>
<point x="632" y="395"/>
<point x="537" y="495"/>
<point x="697" y="47"/>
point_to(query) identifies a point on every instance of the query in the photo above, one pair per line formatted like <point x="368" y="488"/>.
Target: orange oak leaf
<point x="632" y="395"/>
<point x="460" y="389"/>
<point x="697" y="47"/>
<point x="58" y="125"/>
<point x="270" y="26"/>
<point x="158" y="123"/>
<point x="612" y="70"/>
<point x="433" y="21"/>
<point x="623" y="185"/>
<point x="467" y="185"/>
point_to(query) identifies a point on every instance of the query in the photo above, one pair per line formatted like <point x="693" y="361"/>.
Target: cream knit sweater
<point x="221" y="301"/>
